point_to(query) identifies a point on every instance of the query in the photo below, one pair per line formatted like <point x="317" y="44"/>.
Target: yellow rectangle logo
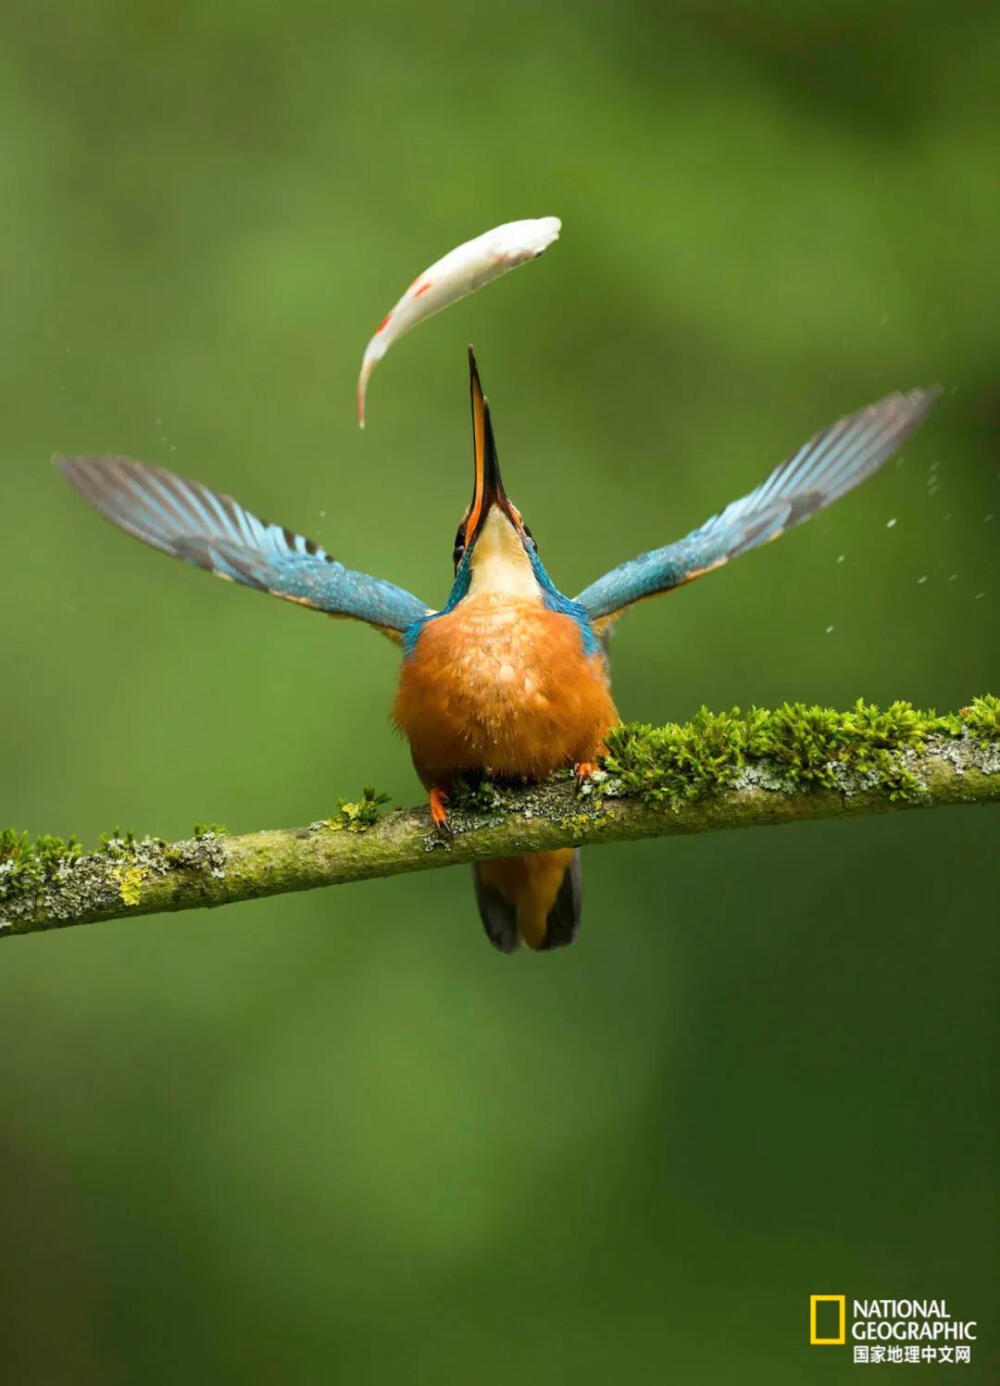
<point x="841" y="1302"/>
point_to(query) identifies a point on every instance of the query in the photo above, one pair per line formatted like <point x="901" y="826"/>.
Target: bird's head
<point x="494" y="549"/>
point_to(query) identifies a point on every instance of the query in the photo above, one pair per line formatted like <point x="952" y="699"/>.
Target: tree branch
<point x="727" y="770"/>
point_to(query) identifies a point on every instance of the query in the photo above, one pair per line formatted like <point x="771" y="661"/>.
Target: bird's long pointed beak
<point x="487" y="486"/>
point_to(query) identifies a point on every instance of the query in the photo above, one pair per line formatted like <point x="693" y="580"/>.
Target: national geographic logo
<point x="839" y="1304"/>
<point x="892" y="1330"/>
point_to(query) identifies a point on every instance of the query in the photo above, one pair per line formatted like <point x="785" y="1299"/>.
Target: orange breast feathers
<point x="504" y="685"/>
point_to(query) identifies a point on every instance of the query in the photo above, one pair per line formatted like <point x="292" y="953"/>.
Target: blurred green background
<point x="335" y="1137"/>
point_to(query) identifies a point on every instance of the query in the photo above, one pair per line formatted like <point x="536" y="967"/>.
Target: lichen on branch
<point x="720" y="770"/>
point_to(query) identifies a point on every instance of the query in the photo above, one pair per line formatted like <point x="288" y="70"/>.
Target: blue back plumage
<point x="216" y="533"/>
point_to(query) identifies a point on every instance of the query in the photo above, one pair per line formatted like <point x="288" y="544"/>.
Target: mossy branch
<point x="721" y="770"/>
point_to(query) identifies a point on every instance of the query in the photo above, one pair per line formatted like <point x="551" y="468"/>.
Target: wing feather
<point x="820" y="472"/>
<point x="216" y="533"/>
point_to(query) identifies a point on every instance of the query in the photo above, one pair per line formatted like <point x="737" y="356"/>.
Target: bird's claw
<point x="439" y="811"/>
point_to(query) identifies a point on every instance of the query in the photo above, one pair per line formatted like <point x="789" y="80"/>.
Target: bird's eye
<point x="459" y="548"/>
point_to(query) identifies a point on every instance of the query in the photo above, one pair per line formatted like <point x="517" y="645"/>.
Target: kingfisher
<point x="510" y="677"/>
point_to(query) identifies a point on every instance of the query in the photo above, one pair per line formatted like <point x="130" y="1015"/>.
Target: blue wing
<point x="825" y="468"/>
<point x="214" y="532"/>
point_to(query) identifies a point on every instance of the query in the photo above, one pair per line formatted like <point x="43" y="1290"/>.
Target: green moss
<point x="357" y="817"/>
<point x="117" y="842"/>
<point x="982" y="718"/>
<point x="208" y="830"/>
<point x="675" y="763"/>
<point x="26" y="866"/>
<point x="71" y="882"/>
<point x="794" y="747"/>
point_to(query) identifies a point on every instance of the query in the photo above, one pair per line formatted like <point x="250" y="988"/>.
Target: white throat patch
<point x="499" y="563"/>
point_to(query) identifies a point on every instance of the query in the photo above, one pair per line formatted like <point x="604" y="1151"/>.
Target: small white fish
<point x="462" y="271"/>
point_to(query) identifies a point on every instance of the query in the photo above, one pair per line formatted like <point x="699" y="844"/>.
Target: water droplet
<point x="829" y="630"/>
<point x="889" y="524"/>
<point x="840" y="558"/>
<point x="953" y="578"/>
<point x="921" y="579"/>
<point x="978" y="595"/>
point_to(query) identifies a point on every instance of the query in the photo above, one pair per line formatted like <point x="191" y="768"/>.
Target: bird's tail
<point x="535" y="898"/>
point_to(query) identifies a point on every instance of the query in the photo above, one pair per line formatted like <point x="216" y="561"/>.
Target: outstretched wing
<point x="828" y="466"/>
<point x="214" y="532"/>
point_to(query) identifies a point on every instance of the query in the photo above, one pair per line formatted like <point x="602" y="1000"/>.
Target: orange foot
<point x="439" y="809"/>
<point x="585" y="770"/>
